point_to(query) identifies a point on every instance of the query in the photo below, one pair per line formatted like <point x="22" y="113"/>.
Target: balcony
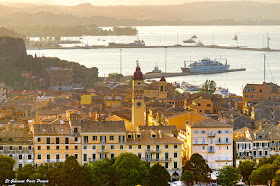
<point x="157" y="159"/>
<point x="92" y="160"/>
<point x="200" y="143"/>
<point x="76" y="134"/>
<point x="211" y="135"/>
<point x="224" y="159"/>
<point x="53" y="160"/>
<point x="152" y="151"/>
<point x="260" y="147"/>
<point x="244" y="157"/>
<point x="211" y="151"/>
<point x="223" y="143"/>
<point x="102" y="151"/>
<point x="103" y="141"/>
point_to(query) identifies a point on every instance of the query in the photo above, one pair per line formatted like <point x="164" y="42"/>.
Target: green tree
<point x="198" y="166"/>
<point x="71" y="172"/>
<point x="130" y="170"/>
<point x="265" y="160"/>
<point x="53" y="173"/>
<point x="115" y="76"/>
<point x="264" y="174"/>
<point x="276" y="179"/>
<point x="245" y="169"/>
<point x="277" y="161"/>
<point x="25" y="173"/>
<point x="102" y="172"/>
<point x="228" y="175"/>
<point x="7" y="164"/>
<point x="208" y="87"/>
<point x="159" y="176"/>
<point x="187" y="177"/>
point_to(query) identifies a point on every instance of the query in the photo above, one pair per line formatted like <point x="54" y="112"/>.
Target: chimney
<point x="159" y="134"/>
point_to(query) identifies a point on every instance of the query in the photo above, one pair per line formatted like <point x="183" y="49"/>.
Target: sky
<point x="120" y="2"/>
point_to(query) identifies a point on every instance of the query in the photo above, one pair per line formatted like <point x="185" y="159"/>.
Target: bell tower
<point x="138" y="106"/>
<point x="162" y="88"/>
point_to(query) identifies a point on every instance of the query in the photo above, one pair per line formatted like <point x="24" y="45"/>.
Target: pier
<point x="175" y="74"/>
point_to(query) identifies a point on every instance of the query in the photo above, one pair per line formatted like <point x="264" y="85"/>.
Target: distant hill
<point x="11" y="33"/>
<point x="203" y="13"/>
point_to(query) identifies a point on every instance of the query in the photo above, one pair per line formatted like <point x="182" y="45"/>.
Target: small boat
<point x="194" y="36"/>
<point x="156" y="70"/>
<point x="189" y="41"/>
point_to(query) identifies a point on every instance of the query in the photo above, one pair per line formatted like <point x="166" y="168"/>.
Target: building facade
<point x="61" y="78"/>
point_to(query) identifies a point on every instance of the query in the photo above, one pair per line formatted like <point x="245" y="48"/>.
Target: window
<point x="219" y="148"/>
<point x="39" y="147"/>
<point x="29" y="157"/>
<point x="220" y="132"/>
<point x="111" y="138"/>
<point x="175" y="164"/>
<point x="66" y="140"/>
<point x="196" y="148"/>
<point x="85" y="147"/>
<point x="121" y="146"/>
<point x="196" y="132"/>
<point x="93" y="147"/>
<point x="75" y="130"/>
<point x="139" y="146"/>
<point x="10" y="147"/>
<point x="166" y="146"/>
<point x="154" y="135"/>
<point x="76" y="138"/>
<point x="85" y="157"/>
<point x="76" y="155"/>
<point x="112" y="147"/>
<point x="93" y="157"/>
<point x="29" y="147"/>
<point x="166" y="165"/>
<point x="175" y="154"/>
<point x="19" y="147"/>
<point x="203" y="148"/>
<point x="20" y="157"/>
<point x="39" y="140"/>
<point x="39" y="156"/>
<point x="129" y="136"/>
<point x="57" y="140"/>
<point x="139" y="155"/>
<point x="157" y="147"/>
<point x="48" y="147"/>
<point x="219" y="164"/>
<point x="112" y="155"/>
<point x="48" y="141"/>
<point x="227" y="131"/>
<point x="208" y="105"/>
<point x="130" y="146"/>
<point x="76" y="147"/>
<point x="57" y="147"/>
<point x="85" y="139"/>
<point x="203" y="132"/>
<point x="66" y="155"/>
<point x="102" y="139"/>
<point x="66" y="147"/>
<point x="1" y="147"/>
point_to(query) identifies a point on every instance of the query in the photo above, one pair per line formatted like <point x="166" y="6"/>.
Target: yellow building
<point x="181" y="119"/>
<point x="201" y="106"/>
<point x="138" y="105"/>
<point x="87" y="99"/>
<point x="157" y="147"/>
<point x="102" y="139"/>
<point x="113" y="101"/>
<point x="55" y="142"/>
<point x="162" y="88"/>
<point x="213" y="140"/>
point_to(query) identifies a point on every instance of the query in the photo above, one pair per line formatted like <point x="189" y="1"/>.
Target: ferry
<point x="135" y="43"/>
<point x="205" y="66"/>
<point x="156" y="70"/>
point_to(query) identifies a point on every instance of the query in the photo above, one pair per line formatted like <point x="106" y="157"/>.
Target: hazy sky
<point x="121" y="2"/>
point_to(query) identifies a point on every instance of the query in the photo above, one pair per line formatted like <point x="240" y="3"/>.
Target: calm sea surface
<point x="108" y="60"/>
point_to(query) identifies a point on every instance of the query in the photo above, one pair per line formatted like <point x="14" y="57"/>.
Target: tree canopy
<point x="187" y="177"/>
<point x="198" y="166"/>
<point x="208" y="87"/>
<point x="228" y="175"/>
<point x="245" y="169"/>
<point x="130" y="170"/>
<point x="7" y="164"/>
<point x="159" y="176"/>
<point x="263" y="174"/>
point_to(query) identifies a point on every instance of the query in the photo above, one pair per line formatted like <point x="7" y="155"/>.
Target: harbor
<point x="166" y="46"/>
<point x="176" y="74"/>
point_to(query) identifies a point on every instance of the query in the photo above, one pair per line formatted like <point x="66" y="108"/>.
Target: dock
<point x="176" y="74"/>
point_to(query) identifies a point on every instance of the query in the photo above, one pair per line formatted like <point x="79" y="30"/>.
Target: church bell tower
<point x="138" y="107"/>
